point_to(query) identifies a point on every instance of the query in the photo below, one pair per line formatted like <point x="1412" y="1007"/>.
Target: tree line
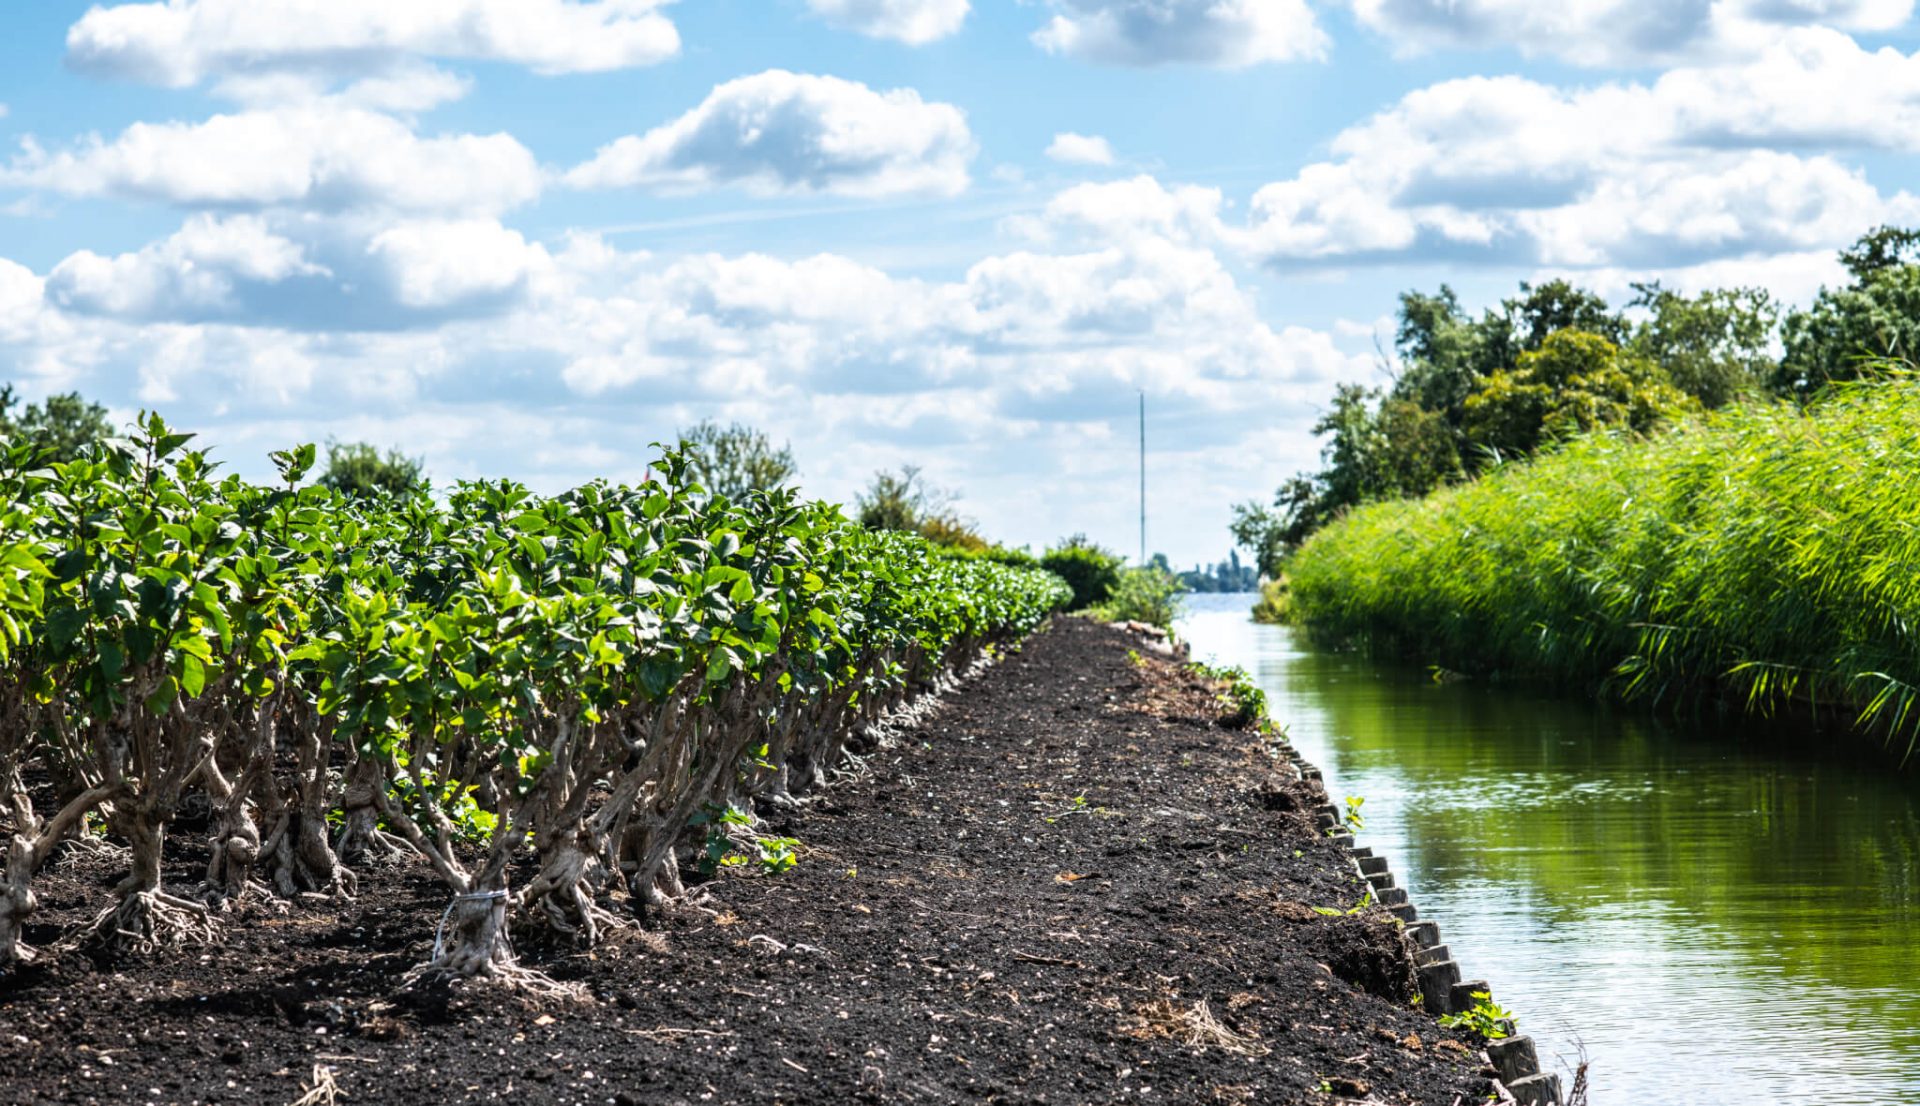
<point x="1471" y="392"/>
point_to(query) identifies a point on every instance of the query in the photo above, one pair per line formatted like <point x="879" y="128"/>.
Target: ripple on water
<point x="1710" y="921"/>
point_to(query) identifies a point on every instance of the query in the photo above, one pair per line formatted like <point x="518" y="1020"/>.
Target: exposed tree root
<point x="361" y="843"/>
<point x="472" y="944"/>
<point x="146" y="922"/>
<point x="17" y="901"/>
<point x="559" y="901"/>
<point x="28" y="847"/>
<point x="361" y="839"/>
<point x="665" y="887"/>
<point x="776" y="794"/>
<point x="88" y="846"/>
<point x="303" y="860"/>
<point x="235" y="850"/>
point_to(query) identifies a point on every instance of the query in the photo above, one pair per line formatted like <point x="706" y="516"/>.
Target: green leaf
<point x="193" y="675"/>
<point x="64" y="625"/>
<point x="113" y="660"/>
<point x="163" y="697"/>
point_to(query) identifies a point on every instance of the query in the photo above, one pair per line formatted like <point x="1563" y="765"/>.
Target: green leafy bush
<point x="1243" y="702"/>
<point x="1092" y="572"/>
<point x="1274" y="603"/>
<point x="1150" y="595"/>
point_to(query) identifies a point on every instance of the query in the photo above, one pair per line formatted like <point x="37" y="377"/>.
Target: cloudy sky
<point x="528" y="237"/>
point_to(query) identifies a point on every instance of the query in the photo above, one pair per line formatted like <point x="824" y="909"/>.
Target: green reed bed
<point x="1765" y="552"/>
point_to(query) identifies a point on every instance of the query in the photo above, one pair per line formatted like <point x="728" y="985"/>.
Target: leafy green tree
<point x="1458" y="398"/>
<point x="899" y="501"/>
<point x="1376" y="447"/>
<point x="1302" y="506"/>
<point x="63" y="426"/>
<point x="1852" y="332"/>
<point x="358" y="469"/>
<point x="735" y="459"/>
<point x="1574" y="382"/>
<point x="1261" y="531"/>
<point x="1540" y="312"/>
<point x="1419" y="450"/>
<point x="1443" y="352"/>
<point x="950" y="531"/>
<point x="1881" y="248"/>
<point x="905" y="502"/>
<point x="1354" y="447"/>
<point x="1714" y="346"/>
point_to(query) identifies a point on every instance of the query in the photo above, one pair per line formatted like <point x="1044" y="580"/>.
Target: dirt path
<point x="1067" y="885"/>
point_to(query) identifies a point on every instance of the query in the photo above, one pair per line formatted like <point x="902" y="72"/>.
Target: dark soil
<point x="1068" y="884"/>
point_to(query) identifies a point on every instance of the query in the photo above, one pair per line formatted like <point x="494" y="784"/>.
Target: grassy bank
<point x="1763" y="552"/>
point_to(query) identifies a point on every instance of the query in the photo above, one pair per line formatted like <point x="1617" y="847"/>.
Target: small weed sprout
<point x="1242" y="702"/>
<point x="777" y="854"/>
<point x="1353" y="819"/>
<point x="1077" y="806"/>
<point x="1135" y="659"/>
<point x="1366" y="900"/>
<point x="718" y="850"/>
<point x="1486" y="1017"/>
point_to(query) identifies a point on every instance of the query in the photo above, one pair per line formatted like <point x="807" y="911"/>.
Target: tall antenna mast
<point x="1143" y="478"/>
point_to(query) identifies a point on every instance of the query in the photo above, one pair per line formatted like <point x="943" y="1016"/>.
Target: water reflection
<point x="1715" y="917"/>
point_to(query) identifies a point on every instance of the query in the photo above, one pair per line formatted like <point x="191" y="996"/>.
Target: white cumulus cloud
<point x="1080" y="149"/>
<point x="1226" y="33"/>
<point x="178" y="43"/>
<point x="200" y="272"/>
<point x="1629" y="33"/>
<point x="1140" y="206"/>
<point x="318" y="157"/>
<point x="914" y="22"/>
<point x="407" y="88"/>
<point x="306" y="273"/>
<point x="790" y="132"/>
<point x="448" y="264"/>
<point x="1721" y="160"/>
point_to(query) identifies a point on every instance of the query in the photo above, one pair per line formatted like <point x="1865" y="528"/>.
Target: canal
<point x="1709" y="913"/>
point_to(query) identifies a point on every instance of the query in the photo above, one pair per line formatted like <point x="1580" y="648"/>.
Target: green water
<point x="1715" y="915"/>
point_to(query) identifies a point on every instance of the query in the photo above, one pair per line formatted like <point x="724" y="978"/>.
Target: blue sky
<point x="528" y="237"/>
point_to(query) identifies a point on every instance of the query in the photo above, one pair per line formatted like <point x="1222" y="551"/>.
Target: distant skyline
<point x="527" y="238"/>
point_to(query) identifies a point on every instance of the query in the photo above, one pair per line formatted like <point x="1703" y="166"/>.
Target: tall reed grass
<point x="1766" y="552"/>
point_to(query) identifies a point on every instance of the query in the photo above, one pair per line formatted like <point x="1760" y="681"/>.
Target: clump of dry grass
<point x="321" y="1090"/>
<point x="1194" y="1026"/>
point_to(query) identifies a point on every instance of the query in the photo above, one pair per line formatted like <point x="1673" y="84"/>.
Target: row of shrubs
<point x="585" y="686"/>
